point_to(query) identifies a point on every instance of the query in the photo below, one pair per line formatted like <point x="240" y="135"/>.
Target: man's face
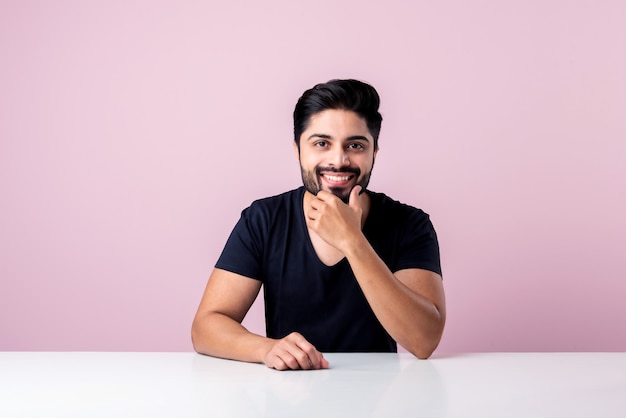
<point x="336" y="153"/>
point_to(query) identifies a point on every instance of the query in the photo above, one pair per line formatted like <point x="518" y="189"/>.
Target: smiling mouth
<point x="337" y="179"/>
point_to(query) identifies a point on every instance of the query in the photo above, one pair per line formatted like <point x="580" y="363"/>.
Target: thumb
<point x="354" y="201"/>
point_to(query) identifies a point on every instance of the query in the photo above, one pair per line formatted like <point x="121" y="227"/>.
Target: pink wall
<point x="132" y="133"/>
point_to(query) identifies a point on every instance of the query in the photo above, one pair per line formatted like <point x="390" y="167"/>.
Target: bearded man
<point x="343" y="268"/>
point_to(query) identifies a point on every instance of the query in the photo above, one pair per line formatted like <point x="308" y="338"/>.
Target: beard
<point x="313" y="181"/>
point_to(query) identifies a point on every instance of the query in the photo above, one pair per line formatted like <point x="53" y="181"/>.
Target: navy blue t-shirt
<point x="325" y="304"/>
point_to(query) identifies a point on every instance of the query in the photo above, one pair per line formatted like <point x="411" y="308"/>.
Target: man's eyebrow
<point x="323" y="136"/>
<point x="350" y="138"/>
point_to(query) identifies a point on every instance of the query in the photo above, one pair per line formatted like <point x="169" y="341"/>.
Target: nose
<point x="340" y="158"/>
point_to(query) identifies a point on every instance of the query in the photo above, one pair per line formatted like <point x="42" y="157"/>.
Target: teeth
<point x="337" y="178"/>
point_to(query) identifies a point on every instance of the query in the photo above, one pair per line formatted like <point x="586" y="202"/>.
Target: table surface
<point x="92" y="384"/>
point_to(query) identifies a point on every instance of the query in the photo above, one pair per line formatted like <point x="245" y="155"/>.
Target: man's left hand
<point x="334" y="221"/>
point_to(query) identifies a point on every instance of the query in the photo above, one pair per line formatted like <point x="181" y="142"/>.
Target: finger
<point x="318" y="361"/>
<point x="315" y="203"/>
<point x="278" y="364"/>
<point x="323" y="195"/>
<point x="302" y="351"/>
<point x="314" y="358"/>
<point x="297" y="358"/>
<point x="276" y="360"/>
<point x="295" y="352"/>
<point x="291" y="360"/>
<point x="354" y="201"/>
<point x="304" y="362"/>
<point x="324" y="364"/>
<point x="328" y="198"/>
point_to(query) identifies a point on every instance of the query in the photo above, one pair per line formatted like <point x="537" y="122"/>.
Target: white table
<point x="84" y="384"/>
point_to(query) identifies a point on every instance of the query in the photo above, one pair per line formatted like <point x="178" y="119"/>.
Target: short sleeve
<point x="419" y="247"/>
<point x="243" y="252"/>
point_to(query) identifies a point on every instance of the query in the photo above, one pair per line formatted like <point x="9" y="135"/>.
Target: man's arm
<point x="217" y="329"/>
<point x="410" y="304"/>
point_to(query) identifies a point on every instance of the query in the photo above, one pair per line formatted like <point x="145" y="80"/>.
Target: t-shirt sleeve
<point x="419" y="247"/>
<point x="243" y="253"/>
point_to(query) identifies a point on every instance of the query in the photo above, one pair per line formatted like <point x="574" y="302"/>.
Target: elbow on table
<point x="423" y="347"/>
<point x="422" y="350"/>
<point x="207" y="334"/>
<point x="197" y="336"/>
<point x="194" y="337"/>
<point x="422" y="353"/>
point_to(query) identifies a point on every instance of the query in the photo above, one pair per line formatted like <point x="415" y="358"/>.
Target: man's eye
<point x="356" y="146"/>
<point x="321" y="143"/>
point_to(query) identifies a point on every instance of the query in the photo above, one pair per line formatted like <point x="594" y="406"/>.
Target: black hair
<point x="353" y="95"/>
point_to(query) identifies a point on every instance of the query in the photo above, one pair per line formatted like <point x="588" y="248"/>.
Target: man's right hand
<point x="217" y="329"/>
<point x="294" y="352"/>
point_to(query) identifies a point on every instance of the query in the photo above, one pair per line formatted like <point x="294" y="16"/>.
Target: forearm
<point x="218" y="335"/>
<point x="413" y="320"/>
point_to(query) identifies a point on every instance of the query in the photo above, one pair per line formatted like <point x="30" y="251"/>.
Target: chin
<point x="341" y="194"/>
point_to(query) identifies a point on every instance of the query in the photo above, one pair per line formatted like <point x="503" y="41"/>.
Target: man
<point x="343" y="269"/>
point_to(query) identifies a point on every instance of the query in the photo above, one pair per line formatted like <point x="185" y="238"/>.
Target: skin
<point x="335" y="147"/>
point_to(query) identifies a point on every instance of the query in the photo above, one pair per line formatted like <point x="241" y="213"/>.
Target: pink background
<point x="134" y="132"/>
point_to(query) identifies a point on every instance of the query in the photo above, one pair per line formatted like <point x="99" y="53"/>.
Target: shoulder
<point x="267" y="210"/>
<point x="402" y="234"/>
<point x="272" y="204"/>
<point x="279" y="199"/>
<point x="391" y="218"/>
<point x="383" y="206"/>
<point x="263" y="219"/>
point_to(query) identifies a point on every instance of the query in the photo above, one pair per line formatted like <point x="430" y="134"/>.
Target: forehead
<point x="338" y="121"/>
